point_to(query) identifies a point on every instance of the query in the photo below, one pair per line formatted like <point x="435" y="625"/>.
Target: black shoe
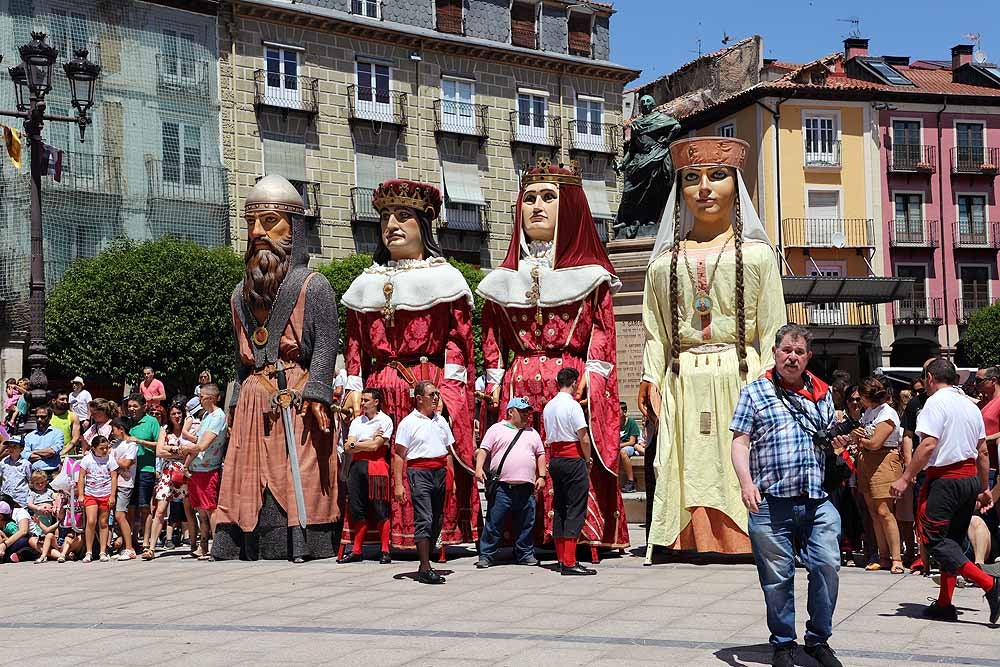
<point x="351" y="558"/>
<point x="824" y="655"/>
<point x="940" y="612"/>
<point x="430" y="577"/>
<point x="629" y="487"/>
<point x="993" y="599"/>
<point x="784" y="656"/>
<point x="576" y="571"/>
<point x="385" y="558"/>
<point x="483" y="563"/>
<point x="528" y="561"/>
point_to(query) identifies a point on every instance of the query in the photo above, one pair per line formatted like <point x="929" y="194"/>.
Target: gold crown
<point x="398" y="192"/>
<point x="542" y="174"/>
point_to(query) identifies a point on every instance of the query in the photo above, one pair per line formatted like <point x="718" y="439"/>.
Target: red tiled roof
<point x="781" y="64"/>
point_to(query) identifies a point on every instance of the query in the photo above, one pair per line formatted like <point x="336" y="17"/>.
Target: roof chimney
<point x="855" y="46"/>
<point x="961" y="54"/>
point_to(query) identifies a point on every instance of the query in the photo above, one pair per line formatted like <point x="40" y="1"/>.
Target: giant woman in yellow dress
<point x="713" y="302"/>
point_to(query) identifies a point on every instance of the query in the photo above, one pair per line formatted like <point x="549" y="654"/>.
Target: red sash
<point x="435" y="463"/>
<point x="957" y="470"/>
<point x="378" y="473"/>
<point x="566" y="450"/>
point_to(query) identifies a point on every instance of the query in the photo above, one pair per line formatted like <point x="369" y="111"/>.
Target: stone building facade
<point x="339" y="95"/>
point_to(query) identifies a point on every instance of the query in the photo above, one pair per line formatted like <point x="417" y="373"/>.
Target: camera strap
<point x="795" y="410"/>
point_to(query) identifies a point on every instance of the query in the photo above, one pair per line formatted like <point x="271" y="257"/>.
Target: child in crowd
<point x="96" y="486"/>
<point x="12" y="393"/>
<point x="123" y="458"/>
<point x="41" y="507"/>
<point x="15" y="472"/>
<point x="71" y="522"/>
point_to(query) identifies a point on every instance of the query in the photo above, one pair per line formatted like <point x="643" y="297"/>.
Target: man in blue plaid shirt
<point x="781" y="480"/>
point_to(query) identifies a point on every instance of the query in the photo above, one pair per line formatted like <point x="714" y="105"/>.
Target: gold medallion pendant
<point x="260" y="336"/>
<point x="702" y="303"/>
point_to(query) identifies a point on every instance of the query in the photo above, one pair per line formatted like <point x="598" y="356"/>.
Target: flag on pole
<point x="53" y="162"/>
<point x="12" y="140"/>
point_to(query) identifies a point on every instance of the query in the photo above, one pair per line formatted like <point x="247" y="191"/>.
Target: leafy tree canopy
<point x="980" y="345"/>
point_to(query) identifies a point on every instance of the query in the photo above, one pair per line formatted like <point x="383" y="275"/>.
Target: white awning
<point x="461" y="183"/>
<point x="597" y="196"/>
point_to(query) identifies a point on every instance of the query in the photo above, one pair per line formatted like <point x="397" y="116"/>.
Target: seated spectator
<point x="43" y="446"/>
<point x="41" y="508"/>
<point x="71" y="520"/>
<point x="629" y="435"/>
<point x="96" y="487"/>
<point x="15" y="522"/>
<point x="15" y="471"/>
<point x="11" y="396"/>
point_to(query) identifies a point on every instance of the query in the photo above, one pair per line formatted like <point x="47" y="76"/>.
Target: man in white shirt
<point x="368" y="476"/>
<point x="570" y="459"/>
<point x="953" y="448"/>
<point x="79" y="403"/>
<point x="423" y="441"/>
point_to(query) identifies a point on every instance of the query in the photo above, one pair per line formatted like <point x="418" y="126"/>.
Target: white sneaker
<point x="127" y="554"/>
<point x="105" y="558"/>
<point x="87" y="558"/>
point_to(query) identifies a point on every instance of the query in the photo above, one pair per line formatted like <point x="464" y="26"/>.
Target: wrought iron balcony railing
<point x="461" y="118"/>
<point x="966" y="308"/>
<point x="90" y="173"/>
<point x="186" y="181"/>
<point x="833" y="314"/>
<point x="361" y="205"/>
<point x="913" y="233"/>
<point x="465" y="218"/>
<point x="595" y="137"/>
<point x="975" y="160"/>
<point x="530" y="128"/>
<point x="976" y="234"/>
<point x="918" y="311"/>
<point x="824" y="154"/>
<point x="283" y="91"/>
<point x="376" y="104"/>
<point x="828" y="233"/>
<point x="913" y="158"/>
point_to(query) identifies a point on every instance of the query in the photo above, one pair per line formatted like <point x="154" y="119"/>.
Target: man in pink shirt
<point x="519" y="448"/>
<point x="151" y="387"/>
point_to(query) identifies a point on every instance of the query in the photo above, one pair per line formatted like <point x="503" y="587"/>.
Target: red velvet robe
<point x="570" y="335"/>
<point x="443" y="334"/>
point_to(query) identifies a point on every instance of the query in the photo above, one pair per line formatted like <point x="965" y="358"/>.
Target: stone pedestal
<point x="629" y="257"/>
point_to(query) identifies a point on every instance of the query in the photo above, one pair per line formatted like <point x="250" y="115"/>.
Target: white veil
<point x="752" y="226"/>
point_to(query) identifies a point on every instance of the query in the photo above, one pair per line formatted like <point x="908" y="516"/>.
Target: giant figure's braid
<point x="675" y="300"/>
<point x="741" y="320"/>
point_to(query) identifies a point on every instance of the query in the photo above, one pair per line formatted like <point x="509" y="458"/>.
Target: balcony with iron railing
<point x="100" y="174"/>
<point x="856" y="315"/>
<point x="966" y="308"/>
<point x="465" y="218"/>
<point x="361" y="205"/>
<point x="186" y="181"/>
<point x="823" y="154"/>
<point x="540" y="130"/>
<point x="976" y="234"/>
<point x="912" y="159"/>
<point x="178" y="74"/>
<point x="975" y="160"/>
<point x="828" y="233"/>
<point x="375" y="104"/>
<point x="594" y="137"/>
<point x="461" y="118"/>
<point x="310" y="197"/>
<point x="284" y="91"/>
<point x="917" y="311"/>
<point x="905" y="233"/>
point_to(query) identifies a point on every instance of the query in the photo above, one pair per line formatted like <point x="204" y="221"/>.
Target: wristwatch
<point x="353" y="445"/>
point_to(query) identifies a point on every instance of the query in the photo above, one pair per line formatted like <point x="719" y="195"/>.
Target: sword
<point x="286" y="400"/>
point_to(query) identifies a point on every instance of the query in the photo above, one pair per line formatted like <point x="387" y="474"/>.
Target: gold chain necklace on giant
<point x="702" y="303"/>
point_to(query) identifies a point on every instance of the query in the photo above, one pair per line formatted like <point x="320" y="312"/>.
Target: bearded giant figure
<point x="549" y="306"/>
<point x="409" y="319"/>
<point x="285" y="320"/>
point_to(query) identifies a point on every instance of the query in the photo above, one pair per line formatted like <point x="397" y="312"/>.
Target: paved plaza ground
<point x="182" y="612"/>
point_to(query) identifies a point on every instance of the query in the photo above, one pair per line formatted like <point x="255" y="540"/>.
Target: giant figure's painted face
<point x="540" y="211"/>
<point x="267" y="229"/>
<point x="401" y="233"/>
<point x="709" y="192"/>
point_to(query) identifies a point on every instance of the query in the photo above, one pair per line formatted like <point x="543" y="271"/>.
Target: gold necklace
<point x="702" y="303"/>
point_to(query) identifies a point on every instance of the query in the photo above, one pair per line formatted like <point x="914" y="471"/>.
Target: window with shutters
<point x="579" y="34"/>
<point x="972" y="220"/>
<point x="970" y="154"/>
<point x="449" y="16"/>
<point x="909" y="217"/>
<point x="176" y="63"/>
<point x="523" y="30"/>
<point x="824" y="226"/>
<point x="181" y="153"/>
<point x="906" y="149"/>
<point x="822" y="147"/>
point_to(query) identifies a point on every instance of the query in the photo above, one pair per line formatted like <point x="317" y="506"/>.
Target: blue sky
<point x="658" y="36"/>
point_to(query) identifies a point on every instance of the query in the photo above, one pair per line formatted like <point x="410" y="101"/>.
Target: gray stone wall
<point x="602" y="38"/>
<point x="420" y="13"/>
<point x="488" y="19"/>
<point x="554" y="30"/>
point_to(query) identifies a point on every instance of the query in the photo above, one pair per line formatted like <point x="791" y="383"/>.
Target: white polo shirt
<point x="956" y="422"/>
<point x="424" y="437"/>
<point x="362" y="428"/>
<point x="563" y="417"/>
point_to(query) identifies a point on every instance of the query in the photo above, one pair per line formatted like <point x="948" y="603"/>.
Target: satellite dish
<point x="838" y="239"/>
<point x="980" y="57"/>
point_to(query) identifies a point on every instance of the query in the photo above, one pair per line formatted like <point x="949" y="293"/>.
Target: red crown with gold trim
<point x="709" y="151"/>
<point x="546" y="172"/>
<point x="412" y="194"/>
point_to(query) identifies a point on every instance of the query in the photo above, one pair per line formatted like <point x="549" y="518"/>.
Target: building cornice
<point x="327" y="20"/>
<point x="207" y="7"/>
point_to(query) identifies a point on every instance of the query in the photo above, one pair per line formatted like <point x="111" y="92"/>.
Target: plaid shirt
<point x="783" y="461"/>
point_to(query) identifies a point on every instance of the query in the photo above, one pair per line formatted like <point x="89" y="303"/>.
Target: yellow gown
<point x="696" y="504"/>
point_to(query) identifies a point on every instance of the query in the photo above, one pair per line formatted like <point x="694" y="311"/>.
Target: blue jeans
<point x="815" y="525"/>
<point x="517" y="500"/>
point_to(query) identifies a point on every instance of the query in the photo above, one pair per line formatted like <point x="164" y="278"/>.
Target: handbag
<point x="177" y="476"/>
<point x="493" y="478"/>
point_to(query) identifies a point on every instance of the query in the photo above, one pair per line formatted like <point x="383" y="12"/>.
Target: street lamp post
<point x="32" y="82"/>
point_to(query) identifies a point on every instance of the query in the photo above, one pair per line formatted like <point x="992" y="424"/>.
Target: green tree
<point x="980" y="345"/>
<point x="342" y="272"/>
<point x="162" y="303"/>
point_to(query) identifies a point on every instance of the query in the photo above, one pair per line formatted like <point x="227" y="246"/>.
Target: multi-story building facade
<point x="340" y="95"/>
<point x="150" y="163"/>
